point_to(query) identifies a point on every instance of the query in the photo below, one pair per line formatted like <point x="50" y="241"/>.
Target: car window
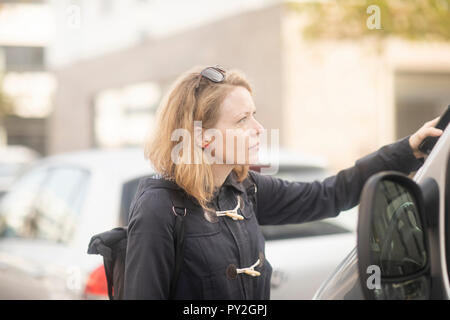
<point x="397" y="238"/>
<point x="301" y="173"/>
<point x="18" y="203"/>
<point x="54" y="207"/>
<point x="59" y="204"/>
<point x="308" y="229"/>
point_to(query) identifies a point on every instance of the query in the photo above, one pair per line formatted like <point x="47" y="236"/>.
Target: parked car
<point x="49" y="215"/>
<point x="403" y="236"/>
<point x="13" y="159"/>
<point x="304" y="255"/>
<point x="53" y="209"/>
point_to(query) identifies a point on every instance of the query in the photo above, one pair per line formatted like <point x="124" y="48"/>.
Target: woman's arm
<point x="282" y="202"/>
<point x="150" y="255"/>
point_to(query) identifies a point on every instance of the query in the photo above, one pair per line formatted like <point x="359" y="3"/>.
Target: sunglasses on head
<point x="215" y="74"/>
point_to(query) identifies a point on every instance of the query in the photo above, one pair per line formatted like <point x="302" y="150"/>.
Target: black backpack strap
<point x="179" y="253"/>
<point x="179" y="211"/>
<point x="251" y="188"/>
<point x="108" y="265"/>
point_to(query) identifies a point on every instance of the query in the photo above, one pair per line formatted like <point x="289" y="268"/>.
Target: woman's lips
<point x="256" y="146"/>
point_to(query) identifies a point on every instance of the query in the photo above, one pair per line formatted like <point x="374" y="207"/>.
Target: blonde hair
<point x="180" y="107"/>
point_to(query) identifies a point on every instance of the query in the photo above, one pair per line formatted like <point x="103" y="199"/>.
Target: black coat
<point x="213" y="247"/>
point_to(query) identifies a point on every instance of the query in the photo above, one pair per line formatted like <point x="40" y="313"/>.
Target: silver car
<point x="52" y="211"/>
<point x="403" y="236"/>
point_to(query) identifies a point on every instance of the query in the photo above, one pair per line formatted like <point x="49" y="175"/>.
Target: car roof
<point x="92" y="158"/>
<point x="17" y="154"/>
<point x="288" y="158"/>
<point x="133" y="156"/>
<point x="128" y="163"/>
<point x="124" y="162"/>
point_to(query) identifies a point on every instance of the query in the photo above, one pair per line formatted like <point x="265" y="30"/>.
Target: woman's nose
<point x="258" y="127"/>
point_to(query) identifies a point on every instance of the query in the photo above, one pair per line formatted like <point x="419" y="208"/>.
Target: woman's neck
<point x="220" y="173"/>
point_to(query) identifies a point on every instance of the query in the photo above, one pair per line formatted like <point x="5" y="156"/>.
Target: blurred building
<point x="25" y="31"/>
<point x="115" y="60"/>
<point x="341" y="99"/>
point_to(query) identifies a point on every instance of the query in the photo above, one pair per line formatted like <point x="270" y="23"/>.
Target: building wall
<point x="340" y="96"/>
<point x="25" y="31"/>
<point x="256" y="51"/>
<point x="419" y="95"/>
<point x="29" y="132"/>
<point x="87" y="29"/>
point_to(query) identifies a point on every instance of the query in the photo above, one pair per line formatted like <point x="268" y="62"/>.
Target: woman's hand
<point x="426" y="130"/>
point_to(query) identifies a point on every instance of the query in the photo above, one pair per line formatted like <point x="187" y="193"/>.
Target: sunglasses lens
<point x="213" y="74"/>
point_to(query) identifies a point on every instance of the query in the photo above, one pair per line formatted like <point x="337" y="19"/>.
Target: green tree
<point x="346" y="19"/>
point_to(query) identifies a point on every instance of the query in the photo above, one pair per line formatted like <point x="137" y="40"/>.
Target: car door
<point x="37" y="220"/>
<point x="433" y="180"/>
<point x="447" y="221"/>
<point x="303" y="255"/>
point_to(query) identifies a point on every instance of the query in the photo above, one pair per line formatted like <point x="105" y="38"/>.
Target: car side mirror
<point x="392" y="245"/>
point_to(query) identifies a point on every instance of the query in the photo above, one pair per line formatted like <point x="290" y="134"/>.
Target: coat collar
<point x="232" y="181"/>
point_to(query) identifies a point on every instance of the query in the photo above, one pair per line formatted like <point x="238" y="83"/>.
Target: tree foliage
<point x="347" y="19"/>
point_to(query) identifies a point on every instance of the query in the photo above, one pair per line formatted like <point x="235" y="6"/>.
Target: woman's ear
<point x="198" y="135"/>
<point x="201" y="138"/>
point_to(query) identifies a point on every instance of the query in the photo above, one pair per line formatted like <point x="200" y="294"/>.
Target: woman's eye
<point x="246" y="118"/>
<point x="242" y="120"/>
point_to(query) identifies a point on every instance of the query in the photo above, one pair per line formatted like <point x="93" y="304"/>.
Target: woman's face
<point x="238" y="128"/>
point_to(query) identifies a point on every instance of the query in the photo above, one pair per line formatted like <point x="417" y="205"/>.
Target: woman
<point x="223" y="254"/>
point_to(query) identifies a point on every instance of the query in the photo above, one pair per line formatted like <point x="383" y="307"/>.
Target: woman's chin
<point x="253" y="158"/>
